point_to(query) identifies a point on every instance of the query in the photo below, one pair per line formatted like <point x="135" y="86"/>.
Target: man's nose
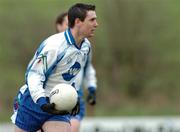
<point x="96" y="24"/>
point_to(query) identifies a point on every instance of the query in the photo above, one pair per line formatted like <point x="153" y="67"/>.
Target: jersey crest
<point x="72" y="72"/>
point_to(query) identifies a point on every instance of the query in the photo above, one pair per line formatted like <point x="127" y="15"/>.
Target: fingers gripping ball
<point x="64" y="96"/>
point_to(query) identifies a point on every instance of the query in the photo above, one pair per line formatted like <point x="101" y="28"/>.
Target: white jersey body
<point x="58" y="60"/>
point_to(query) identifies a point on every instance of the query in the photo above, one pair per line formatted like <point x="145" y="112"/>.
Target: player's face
<point x="62" y="27"/>
<point x="89" y="24"/>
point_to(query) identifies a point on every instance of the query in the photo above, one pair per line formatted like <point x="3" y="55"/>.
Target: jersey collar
<point x="70" y="39"/>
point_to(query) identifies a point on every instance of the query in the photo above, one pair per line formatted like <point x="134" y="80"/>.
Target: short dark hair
<point x="78" y="10"/>
<point x="60" y="18"/>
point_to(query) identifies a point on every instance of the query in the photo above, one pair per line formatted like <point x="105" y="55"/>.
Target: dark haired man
<point x="58" y="59"/>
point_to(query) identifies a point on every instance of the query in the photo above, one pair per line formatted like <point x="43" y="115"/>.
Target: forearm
<point x="35" y="82"/>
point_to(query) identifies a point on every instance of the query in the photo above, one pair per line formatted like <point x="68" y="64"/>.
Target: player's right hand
<point x="50" y="108"/>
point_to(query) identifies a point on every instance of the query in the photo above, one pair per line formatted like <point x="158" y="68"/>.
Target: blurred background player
<point x="85" y="78"/>
<point x="61" y="23"/>
<point x="44" y="72"/>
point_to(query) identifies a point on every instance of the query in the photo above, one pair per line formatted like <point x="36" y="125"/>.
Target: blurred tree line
<point x="135" y="52"/>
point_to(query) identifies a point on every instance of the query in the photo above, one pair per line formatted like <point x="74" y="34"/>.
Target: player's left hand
<point x="91" y="98"/>
<point x="76" y="109"/>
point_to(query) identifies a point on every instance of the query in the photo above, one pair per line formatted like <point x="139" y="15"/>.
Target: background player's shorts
<point x="30" y="117"/>
<point x="81" y="114"/>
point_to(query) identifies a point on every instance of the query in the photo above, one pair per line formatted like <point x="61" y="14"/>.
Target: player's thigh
<point x="75" y="125"/>
<point x="56" y="126"/>
<point x="17" y="129"/>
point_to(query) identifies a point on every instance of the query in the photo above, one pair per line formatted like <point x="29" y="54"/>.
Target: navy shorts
<point x="29" y="116"/>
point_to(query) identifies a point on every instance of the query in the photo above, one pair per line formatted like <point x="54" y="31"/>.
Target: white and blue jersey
<point x="57" y="60"/>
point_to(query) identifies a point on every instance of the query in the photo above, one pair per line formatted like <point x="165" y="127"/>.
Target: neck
<point x="77" y="37"/>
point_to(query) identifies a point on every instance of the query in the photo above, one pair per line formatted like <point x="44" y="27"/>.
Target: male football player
<point x="58" y="59"/>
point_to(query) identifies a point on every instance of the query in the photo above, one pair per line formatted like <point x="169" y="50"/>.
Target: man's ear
<point x="78" y="22"/>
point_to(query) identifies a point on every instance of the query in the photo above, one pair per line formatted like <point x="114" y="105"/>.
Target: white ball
<point x="64" y="96"/>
